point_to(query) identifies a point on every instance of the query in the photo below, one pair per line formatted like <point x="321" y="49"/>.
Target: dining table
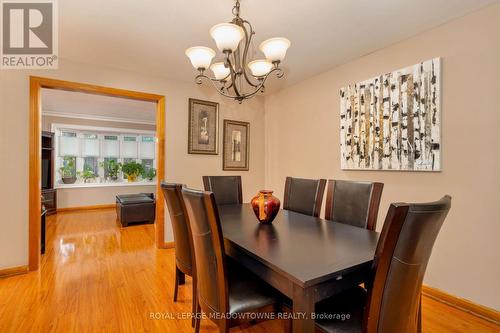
<point x="308" y="259"/>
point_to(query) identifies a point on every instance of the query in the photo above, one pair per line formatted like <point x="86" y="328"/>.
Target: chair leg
<point x="182" y="277"/>
<point x="179" y="279"/>
<point x="419" y="323"/>
<point x="195" y="300"/>
<point x="197" y="318"/>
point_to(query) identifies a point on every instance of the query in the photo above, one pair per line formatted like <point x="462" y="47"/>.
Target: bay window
<point x="102" y="151"/>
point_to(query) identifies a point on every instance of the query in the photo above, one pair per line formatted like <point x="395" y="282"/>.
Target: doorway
<point x="35" y="132"/>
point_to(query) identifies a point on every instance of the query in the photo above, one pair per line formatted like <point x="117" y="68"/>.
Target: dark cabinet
<point x="49" y="200"/>
<point x="42" y="230"/>
<point x="49" y="194"/>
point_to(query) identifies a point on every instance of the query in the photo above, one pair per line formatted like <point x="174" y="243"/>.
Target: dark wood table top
<point x="305" y="249"/>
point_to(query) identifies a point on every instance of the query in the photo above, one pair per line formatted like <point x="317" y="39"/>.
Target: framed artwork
<point x="203" y="127"/>
<point x="393" y="121"/>
<point x="236" y="145"/>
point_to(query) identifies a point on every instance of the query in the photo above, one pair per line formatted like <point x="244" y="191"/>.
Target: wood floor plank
<point x="98" y="277"/>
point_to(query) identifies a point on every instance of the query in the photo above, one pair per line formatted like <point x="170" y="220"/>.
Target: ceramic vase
<point x="265" y="206"/>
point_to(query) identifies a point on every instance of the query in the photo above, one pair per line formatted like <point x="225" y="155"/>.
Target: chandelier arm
<point x="199" y="78"/>
<point x="233" y="76"/>
<point x="229" y="86"/>
<point x="248" y="40"/>
<point x="278" y="71"/>
<point x="239" y="97"/>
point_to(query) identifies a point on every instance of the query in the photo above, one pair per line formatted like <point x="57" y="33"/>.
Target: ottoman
<point x="132" y="208"/>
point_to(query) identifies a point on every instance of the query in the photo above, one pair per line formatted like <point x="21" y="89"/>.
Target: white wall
<point x="180" y="166"/>
<point x="92" y="196"/>
<point x="302" y="139"/>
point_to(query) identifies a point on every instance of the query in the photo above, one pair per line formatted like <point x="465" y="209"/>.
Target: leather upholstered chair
<point x="304" y="196"/>
<point x="184" y="263"/>
<point x="353" y="202"/>
<point x="391" y="303"/>
<point x="222" y="288"/>
<point x="227" y="189"/>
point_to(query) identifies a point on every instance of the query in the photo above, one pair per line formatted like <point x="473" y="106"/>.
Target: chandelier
<point x="234" y="77"/>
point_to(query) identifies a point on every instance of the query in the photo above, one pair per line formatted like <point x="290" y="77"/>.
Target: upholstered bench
<point x="132" y="208"/>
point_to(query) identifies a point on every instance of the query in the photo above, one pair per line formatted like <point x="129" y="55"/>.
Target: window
<point x="147" y="147"/>
<point x="90" y="164"/>
<point x="83" y="151"/>
<point x="68" y="144"/>
<point x="148" y="164"/>
<point x="129" y="147"/>
<point x="110" y="167"/>
<point x="111" y="146"/>
<point x="90" y="145"/>
<point x="68" y="167"/>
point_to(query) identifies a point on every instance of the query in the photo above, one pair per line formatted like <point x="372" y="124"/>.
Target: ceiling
<point x="150" y="36"/>
<point x="89" y="106"/>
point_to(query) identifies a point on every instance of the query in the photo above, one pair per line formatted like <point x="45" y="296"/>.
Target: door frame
<point x="35" y="131"/>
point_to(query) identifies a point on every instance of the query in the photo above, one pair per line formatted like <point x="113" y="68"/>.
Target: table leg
<point x="303" y="307"/>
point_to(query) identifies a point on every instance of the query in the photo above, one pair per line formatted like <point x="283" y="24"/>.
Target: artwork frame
<point x="203" y="127"/>
<point x="392" y="122"/>
<point x="235" y="157"/>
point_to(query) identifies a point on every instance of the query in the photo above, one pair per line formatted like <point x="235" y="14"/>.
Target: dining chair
<point x="392" y="301"/>
<point x="184" y="263"/>
<point x="353" y="202"/>
<point x="304" y="195"/>
<point x="227" y="189"/>
<point x="227" y="293"/>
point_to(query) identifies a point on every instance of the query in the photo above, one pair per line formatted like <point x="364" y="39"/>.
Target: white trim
<point x="58" y="126"/>
<point x="85" y="185"/>
<point x="96" y="117"/>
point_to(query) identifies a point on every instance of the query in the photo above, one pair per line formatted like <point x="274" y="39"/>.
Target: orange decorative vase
<point x="265" y="206"/>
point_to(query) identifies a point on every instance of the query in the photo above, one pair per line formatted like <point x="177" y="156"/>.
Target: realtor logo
<point x="29" y="34"/>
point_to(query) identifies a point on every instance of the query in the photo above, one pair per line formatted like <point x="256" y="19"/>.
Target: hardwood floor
<point x="96" y="277"/>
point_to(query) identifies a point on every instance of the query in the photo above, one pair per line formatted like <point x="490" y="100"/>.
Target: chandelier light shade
<point x="227" y="36"/>
<point x="200" y="56"/>
<point x="220" y="71"/>
<point x="236" y="75"/>
<point x="275" y="48"/>
<point x="260" y="67"/>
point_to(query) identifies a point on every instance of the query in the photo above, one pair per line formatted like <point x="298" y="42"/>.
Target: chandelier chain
<point x="236" y="9"/>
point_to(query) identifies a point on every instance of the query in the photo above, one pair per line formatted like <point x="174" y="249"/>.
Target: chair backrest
<point x="182" y="233"/>
<point x="401" y="258"/>
<point x="227" y="189"/>
<point x="304" y="195"/>
<point x="353" y="202"/>
<point x="208" y="245"/>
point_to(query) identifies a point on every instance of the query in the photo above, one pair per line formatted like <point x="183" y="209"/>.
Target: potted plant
<point x="87" y="174"/>
<point x="111" y="169"/>
<point x="68" y="170"/>
<point x="149" y="174"/>
<point x="132" y="170"/>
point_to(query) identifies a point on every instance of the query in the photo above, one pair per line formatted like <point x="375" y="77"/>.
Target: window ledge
<point x="117" y="184"/>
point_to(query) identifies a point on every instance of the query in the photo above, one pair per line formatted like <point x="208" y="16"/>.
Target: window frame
<point x="101" y="133"/>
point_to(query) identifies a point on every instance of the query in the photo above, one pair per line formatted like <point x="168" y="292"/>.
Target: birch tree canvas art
<point x="393" y="121"/>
